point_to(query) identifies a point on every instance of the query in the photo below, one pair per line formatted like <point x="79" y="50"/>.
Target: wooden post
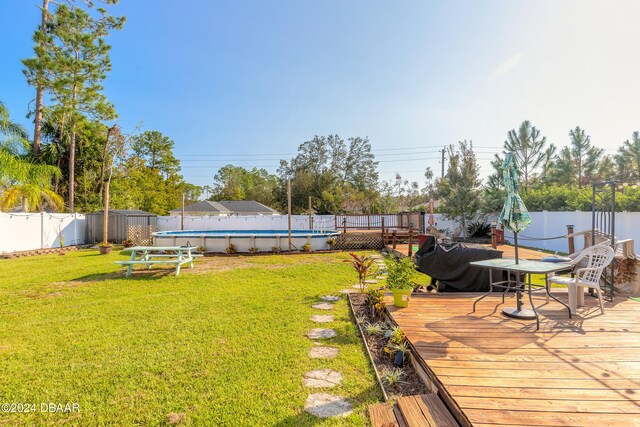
<point x="410" y="252"/>
<point x="42" y="230"/>
<point x="105" y="216"/>
<point x="310" y="215"/>
<point x="572" y="247"/>
<point x="384" y="243"/>
<point x="394" y="239"/>
<point x="494" y="238"/>
<point x="182" y="216"/>
<point x="289" y="211"/>
<point x="344" y="224"/>
<point x="368" y="222"/>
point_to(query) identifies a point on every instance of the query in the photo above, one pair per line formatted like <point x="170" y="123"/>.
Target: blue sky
<point x="246" y="82"/>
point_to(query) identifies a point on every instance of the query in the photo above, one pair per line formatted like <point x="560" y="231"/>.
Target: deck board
<point x="508" y="251"/>
<point x="583" y="371"/>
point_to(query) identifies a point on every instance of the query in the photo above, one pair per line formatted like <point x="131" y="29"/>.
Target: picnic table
<point x="526" y="268"/>
<point x="173" y="255"/>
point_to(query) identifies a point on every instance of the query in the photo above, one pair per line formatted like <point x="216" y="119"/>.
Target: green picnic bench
<point x="143" y="255"/>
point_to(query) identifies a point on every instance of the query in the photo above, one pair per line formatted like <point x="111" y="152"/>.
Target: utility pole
<point x="442" y="175"/>
<point x="289" y="210"/>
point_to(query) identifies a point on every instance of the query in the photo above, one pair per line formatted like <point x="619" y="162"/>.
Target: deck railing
<point x="402" y="220"/>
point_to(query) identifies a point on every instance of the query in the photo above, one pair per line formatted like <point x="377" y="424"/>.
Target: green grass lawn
<point x="223" y="343"/>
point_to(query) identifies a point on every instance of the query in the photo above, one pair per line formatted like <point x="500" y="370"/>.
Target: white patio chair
<point x="599" y="257"/>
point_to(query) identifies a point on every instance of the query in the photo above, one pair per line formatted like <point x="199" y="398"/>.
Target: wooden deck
<point x="508" y="251"/>
<point x="497" y="371"/>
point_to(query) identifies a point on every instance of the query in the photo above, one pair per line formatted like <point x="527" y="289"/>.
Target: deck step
<point x="426" y="410"/>
<point x="382" y="415"/>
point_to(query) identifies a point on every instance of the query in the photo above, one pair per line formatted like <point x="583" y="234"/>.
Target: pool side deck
<point x="497" y="371"/>
<point x="508" y="251"/>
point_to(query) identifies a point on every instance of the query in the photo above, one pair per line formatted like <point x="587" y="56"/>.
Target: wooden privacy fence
<point x="403" y="220"/>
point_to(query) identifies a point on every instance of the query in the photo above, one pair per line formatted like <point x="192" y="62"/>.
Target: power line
<point x="435" y="148"/>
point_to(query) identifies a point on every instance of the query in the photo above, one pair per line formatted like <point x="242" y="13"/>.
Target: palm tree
<point x="13" y="136"/>
<point x="27" y="184"/>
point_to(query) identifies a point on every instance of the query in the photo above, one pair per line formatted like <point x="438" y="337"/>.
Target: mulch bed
<point x="411" y="384"/>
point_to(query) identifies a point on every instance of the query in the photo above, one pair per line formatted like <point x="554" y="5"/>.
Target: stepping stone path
<point x="320" y="352"/>
<point x="322" y="378"/>
<point x="380" y="277"/>
<point x="318" y="318"/>
<point x="348" y="291"/>
<point x="325" y="405"/>
<point x="370" y="282"/>
<point x="321" y="333"/>
<point x="323" y="306"/>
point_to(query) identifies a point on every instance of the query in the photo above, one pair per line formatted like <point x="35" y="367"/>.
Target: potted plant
<point x="400" y="280"/>
<point x="105" y="248"/>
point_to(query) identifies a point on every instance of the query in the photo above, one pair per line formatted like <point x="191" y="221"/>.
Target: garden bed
<point x="264" y="253"/>
<point x="410" y="382"/>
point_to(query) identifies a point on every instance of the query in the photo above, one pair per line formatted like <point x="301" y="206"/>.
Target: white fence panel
<point x="23" y="232"/>
<point x="243" y="222"/>
<point x="554" y="224"/>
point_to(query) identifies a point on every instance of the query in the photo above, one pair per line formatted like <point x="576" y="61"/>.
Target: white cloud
<point x="508" y="65"/>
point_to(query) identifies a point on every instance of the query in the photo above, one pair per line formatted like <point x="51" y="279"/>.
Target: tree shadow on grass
<point x="155" y="274"/>
<point x="365" y="398"/>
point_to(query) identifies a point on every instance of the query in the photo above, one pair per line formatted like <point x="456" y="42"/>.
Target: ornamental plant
<point x="376" y="301"/>
<point x="361" y="264"/>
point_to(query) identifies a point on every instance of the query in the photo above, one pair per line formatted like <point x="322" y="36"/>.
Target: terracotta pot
<point x="104" y="250"/>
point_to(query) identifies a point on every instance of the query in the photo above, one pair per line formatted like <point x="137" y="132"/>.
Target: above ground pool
<point x="245" y="240"/>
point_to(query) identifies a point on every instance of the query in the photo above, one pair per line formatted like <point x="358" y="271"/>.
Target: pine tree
<point x="582" y="154"/>
<point x="38" y="68"/>
<point x="529" y="150"/>
<point x="628" y="157"/>
<point x="78" y="62"/>
<point x="460" y="188"/>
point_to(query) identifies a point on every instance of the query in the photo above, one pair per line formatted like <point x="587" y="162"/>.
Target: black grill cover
<point x="449" y="265"/>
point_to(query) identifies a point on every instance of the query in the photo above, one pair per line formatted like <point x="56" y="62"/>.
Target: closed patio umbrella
<point x="514" y="215"/>
<point x="432" y="220"/>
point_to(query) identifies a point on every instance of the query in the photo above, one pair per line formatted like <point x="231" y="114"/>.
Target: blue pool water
<point x="245" y="233"/>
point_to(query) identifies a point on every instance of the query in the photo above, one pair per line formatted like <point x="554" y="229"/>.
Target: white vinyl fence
<point x="245" y="222"/>
<point x="20" y="232"/>
<point x="265" y="222"/>
<point x="554" y="224"/>
<point x="23" y="232"/>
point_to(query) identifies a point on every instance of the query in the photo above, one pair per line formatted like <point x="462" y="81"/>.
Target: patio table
<point x="526" y="268"/>
<point x="144" y="255"/>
